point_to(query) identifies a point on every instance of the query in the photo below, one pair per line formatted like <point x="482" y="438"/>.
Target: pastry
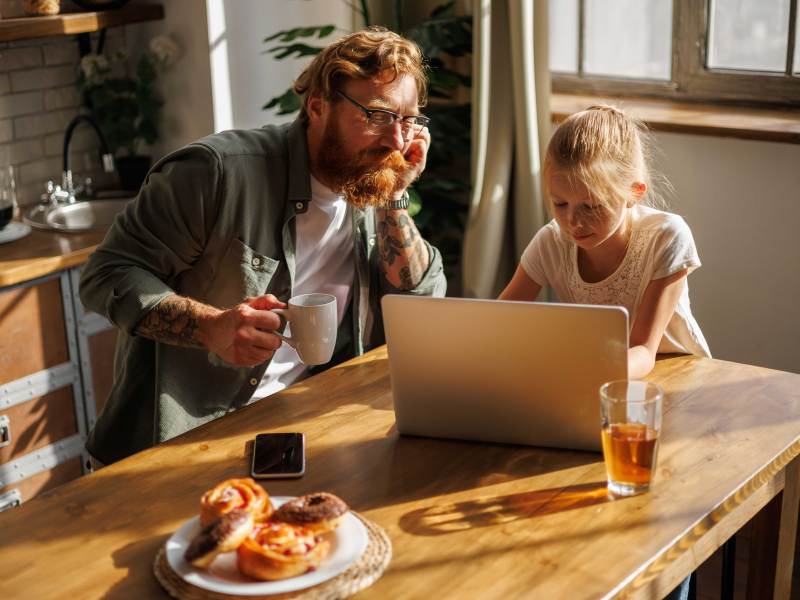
<point x="319" y="513"/>
<point x="278" y="550"/>
<point x="222" y="535"/>
<point x="235" y="494"/>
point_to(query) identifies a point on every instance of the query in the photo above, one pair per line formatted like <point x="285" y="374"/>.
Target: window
<point x="712" y="50"/>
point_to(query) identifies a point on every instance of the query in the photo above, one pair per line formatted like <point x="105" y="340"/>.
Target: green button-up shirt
<point x="214" y="221"/>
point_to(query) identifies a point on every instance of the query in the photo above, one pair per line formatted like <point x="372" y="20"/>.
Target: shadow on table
<point x="134" y="585"/>
<point x="442" y="519"/>
<point x="394" y="469"/>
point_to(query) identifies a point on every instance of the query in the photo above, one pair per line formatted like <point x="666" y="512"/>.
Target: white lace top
<point x="661" y="244"/>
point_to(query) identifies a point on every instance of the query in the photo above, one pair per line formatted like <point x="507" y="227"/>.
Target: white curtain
<point x="510" y="124"/>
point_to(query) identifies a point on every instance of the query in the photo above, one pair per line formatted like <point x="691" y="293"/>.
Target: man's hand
<point x="242" y="335"/>
<point x="416" y="154"/>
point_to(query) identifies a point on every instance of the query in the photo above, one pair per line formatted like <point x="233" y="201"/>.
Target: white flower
<point x="164" y="49"/>
<point x="94" y="67"/>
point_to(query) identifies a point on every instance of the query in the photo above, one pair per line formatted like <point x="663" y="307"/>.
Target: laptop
<point x="498" y="371"/>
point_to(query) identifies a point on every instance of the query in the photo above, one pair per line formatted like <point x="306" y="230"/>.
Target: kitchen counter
<point x="44" y="252"/>
<point x="56" y="362"/>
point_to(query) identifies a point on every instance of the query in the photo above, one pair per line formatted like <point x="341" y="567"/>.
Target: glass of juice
<point x="630" y="414"/>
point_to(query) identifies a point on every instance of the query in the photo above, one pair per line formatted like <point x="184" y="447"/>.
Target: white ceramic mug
<point x="314" y="322"/>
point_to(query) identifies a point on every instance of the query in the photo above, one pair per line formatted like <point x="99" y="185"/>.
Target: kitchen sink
<point x="83" y="215"/>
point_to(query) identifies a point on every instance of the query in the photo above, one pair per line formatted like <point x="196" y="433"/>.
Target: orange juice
<point x="630" y="453"/>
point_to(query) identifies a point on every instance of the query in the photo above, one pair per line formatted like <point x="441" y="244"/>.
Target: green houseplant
<point x="440" y="199"/>
<point x="124" y="102"/>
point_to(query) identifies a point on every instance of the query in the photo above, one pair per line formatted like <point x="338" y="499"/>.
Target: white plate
<point x="14" y="231"/>
<point x="348" y="542"/>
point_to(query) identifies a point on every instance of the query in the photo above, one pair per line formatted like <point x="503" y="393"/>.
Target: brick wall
<point x="38" y="98"/>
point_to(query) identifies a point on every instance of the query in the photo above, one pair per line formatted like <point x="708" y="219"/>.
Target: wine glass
<point x="8" y="196"/>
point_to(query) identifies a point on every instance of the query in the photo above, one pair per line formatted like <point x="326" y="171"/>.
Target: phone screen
<point x="278" y="455"/>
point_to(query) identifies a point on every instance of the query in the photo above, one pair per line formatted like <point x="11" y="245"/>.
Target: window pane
<point x="796" y="63"/>
<point x="748" y="34"/>
<point x="563" y="35"/>
<point x="628" y="38"/>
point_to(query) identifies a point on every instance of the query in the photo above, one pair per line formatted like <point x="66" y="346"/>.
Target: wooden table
<point x="466" y="520"/>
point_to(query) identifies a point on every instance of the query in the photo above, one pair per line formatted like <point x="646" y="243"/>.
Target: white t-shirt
<point x="661" y="244"/>
<point x="323" y="263"/>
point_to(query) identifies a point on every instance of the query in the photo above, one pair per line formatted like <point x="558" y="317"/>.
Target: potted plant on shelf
<point x="125" y="104"/>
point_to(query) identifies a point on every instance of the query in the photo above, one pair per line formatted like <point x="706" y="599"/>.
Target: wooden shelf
<point x="77" y="22"/>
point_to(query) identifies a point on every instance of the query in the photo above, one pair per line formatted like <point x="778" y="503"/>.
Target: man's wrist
<point x="206" y="318"/>
<point x="400" y="203"/>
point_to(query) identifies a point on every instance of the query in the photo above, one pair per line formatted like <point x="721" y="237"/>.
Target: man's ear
<point x="316" y="108"/>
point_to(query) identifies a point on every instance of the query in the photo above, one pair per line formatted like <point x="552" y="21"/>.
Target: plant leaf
<point x="289" y="35"/>
<point x="299" y="49"/>
<point x="287" y="103"/>
<point x="415" y="202"/>
<point x="443" y="9"/>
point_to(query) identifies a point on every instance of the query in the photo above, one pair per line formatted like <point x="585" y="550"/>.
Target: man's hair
<point x="361" y="55"/>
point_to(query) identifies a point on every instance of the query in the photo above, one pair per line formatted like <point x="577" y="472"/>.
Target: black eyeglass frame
<point x="420" y="121"/>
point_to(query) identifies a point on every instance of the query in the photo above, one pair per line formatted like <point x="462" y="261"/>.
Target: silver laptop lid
<point x="497" y="371"/>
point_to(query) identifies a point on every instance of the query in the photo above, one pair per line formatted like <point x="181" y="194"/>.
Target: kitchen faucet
<point x="66" y="192"/>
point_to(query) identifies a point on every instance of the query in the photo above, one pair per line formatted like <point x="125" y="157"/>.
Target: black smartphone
<point x="277" y="455"/>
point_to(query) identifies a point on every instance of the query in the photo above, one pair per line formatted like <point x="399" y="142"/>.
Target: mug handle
<point x="283" y="313"/>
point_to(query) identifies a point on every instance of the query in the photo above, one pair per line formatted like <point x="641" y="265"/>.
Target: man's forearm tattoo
<point x="404" y="255"/>
<point x="405" y="278"/>
<point x="172" y="321"/>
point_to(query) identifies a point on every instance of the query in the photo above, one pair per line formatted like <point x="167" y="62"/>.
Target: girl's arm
<point x="656" y="309"/>
<point x="521" y="287"/>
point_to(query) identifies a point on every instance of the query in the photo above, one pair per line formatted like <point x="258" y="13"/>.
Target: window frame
<point x="690" y="79"/>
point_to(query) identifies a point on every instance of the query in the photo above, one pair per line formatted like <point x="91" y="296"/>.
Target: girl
<point x="604" y="246"/>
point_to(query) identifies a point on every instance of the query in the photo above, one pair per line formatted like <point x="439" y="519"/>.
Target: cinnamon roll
<point x="235" y="494"/>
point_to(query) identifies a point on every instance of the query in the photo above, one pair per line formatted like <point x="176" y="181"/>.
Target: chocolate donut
<point x="223" y="535"/>
<point x="318" y="512"/>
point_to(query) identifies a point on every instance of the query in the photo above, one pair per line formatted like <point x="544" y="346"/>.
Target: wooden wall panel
<point x="40" y="422"/>
<point x="33" y="331"/>
<point x="46" y="480"/>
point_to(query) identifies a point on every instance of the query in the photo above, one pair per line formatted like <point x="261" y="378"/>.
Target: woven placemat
<point x="359" y="575"/>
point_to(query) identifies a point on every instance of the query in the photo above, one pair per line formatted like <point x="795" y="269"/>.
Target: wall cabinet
<point x="56" y="368"/>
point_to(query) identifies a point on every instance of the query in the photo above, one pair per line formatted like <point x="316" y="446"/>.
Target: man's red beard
<point x="368" y="178"/>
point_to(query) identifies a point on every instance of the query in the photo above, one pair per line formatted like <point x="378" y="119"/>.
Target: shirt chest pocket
<point x="241" y="273"/>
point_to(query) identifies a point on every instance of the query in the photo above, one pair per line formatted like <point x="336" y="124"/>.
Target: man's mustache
<point x="383" y="159"/>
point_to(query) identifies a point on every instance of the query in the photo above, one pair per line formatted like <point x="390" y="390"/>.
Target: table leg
<point x="728" y="583"/>
<point x="787" y="531"/>
<point x="763" y="545"/>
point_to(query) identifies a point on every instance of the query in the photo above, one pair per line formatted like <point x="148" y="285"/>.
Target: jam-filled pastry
<point x="235" y="494"/>
<point x="319" y="513"/>
<point x="279" y="550"/>
<point x="222" y="535"/>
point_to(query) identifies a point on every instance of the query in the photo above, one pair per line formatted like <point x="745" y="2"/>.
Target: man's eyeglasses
<point x="379" y="120"/>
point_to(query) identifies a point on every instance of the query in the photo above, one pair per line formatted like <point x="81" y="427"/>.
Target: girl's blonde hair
<point x="361" y="55"/>
<point x="607" y="151"/>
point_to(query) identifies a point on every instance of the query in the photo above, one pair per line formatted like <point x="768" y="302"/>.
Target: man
<point x="233" y="225"/>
